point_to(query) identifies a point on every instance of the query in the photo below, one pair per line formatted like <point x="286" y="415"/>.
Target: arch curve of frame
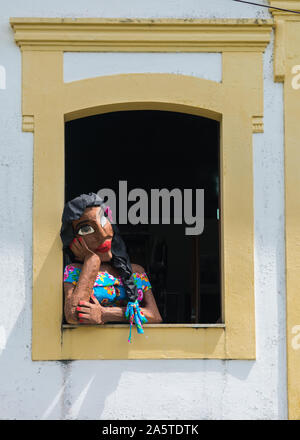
<point x="169" y="92"/>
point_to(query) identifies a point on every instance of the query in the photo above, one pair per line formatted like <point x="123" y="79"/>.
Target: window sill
<point x="159" y="341"/>
<point x="145" y="325"/>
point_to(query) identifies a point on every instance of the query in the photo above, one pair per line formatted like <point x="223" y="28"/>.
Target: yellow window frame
<point x="236" y="102"/>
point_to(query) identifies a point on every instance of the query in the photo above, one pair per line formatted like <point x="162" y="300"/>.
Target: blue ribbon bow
<point x="135" y="315"/>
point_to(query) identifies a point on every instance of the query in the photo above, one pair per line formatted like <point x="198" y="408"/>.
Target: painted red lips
<point x="104" y="247"/>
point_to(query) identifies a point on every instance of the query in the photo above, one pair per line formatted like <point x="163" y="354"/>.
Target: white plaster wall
<point x="164" y="389"/>
<point x="81" y="65"/>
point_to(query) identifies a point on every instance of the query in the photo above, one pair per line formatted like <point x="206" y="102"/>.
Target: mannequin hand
<point x="90" y="313"/>
<point x="80" y="249"/>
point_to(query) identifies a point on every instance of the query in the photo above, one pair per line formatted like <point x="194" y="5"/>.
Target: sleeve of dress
<point x="71" y="274"/>
<point x="142" y="283"/>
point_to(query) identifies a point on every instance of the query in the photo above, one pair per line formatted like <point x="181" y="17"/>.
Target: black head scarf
<point x="73" y="210"/>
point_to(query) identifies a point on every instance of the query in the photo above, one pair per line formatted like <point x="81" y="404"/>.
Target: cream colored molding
<point x="279" y="49"/>
<point x="92" y="34"/>
<point x="286" y="69"/>
<point x="257" y="124"/>
<point x="292" y="5"/>
<point x="142" y="35"/>
<point x="28" y="123"/>
<point x="281" y="18"/>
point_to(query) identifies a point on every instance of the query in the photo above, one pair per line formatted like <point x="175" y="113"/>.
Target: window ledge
<point x="145" y="325"/>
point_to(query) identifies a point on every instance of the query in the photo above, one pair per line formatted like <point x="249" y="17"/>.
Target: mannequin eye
<point x="103" y="221"/>
<point x="85" y="230"/>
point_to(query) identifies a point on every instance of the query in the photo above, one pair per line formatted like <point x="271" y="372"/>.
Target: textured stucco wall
<point x="189" y="389"/>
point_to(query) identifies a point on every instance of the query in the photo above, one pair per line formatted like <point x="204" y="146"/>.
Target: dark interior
<point x="157" y="149"/>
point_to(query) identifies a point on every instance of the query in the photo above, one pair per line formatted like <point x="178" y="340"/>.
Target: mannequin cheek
<point x="109" y="229"/>
<point x="99" y="234"/>
<point x="89" y="241"/>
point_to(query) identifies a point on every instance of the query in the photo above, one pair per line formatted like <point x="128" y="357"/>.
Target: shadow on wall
<point x="106" y="389"/>
<point x="121" y="389"/>
<point x="129" y="389"/>
<point x="111" y="389"/>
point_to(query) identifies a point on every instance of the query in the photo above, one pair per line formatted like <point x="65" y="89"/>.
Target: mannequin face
<point x="96" y="230"/>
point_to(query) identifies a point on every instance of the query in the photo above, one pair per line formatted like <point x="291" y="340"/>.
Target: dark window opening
<point x="157" y="149"/>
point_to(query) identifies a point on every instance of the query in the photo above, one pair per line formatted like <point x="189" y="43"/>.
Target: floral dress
<point x="110" y="292"/>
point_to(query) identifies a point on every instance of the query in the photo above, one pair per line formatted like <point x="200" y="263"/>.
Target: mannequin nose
<point x="102" y="234"/>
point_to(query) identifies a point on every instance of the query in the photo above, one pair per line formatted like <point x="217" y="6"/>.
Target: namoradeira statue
<point x="100" y="283"/>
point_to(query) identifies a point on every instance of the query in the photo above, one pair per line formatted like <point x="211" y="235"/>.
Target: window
<point x="155" y="150"/>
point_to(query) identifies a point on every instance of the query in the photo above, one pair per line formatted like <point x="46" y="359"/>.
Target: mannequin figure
<point x="100" y="284"/>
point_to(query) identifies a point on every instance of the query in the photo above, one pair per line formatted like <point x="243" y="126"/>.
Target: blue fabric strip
<point x="133" y="313"/>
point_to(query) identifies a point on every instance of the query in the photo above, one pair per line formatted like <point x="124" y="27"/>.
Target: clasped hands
<point x="90" y="313"/>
